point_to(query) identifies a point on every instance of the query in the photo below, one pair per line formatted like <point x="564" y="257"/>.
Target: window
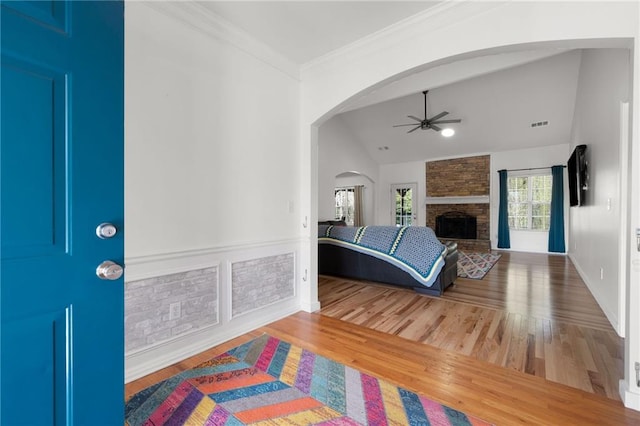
<point x="345" y="204"/>
<point x="404" y="205"/>
<point x="529" y="202"/>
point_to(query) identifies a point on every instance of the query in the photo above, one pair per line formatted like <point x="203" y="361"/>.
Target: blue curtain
<point x="503" y="212"/>
<point x="556" y="226"/>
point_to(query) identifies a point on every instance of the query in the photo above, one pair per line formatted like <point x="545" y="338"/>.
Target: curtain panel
<point x="504" y="240"/>
<point x="358" y="206"/>
<point x="556" y="225"/>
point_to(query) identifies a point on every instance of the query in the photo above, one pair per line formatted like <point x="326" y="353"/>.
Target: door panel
<point x="61" y="176"/>
<point x="404" y="211"/>
<point x="46" y="340"/>
<point x="49" y="13"/>
<point x="33" y="173"/>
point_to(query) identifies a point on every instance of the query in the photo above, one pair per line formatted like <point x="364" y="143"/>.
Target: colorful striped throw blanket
<point x="414" y="249"/>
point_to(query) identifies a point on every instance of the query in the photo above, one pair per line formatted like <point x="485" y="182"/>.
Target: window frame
<point x="529" y="174"/>
<point x="347" y="217"/>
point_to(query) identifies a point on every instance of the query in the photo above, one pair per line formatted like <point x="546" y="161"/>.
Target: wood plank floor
<point x="499" y="395"/>
<point x="531" y="313"/>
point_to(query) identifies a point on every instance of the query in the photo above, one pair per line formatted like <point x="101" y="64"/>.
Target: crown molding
<point x="201" y="19"/>
<point x="444" y="14"/>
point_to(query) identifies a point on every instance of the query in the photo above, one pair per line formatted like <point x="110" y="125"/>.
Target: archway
<point x="499" y="30"/>
<point x="352" y="179"/>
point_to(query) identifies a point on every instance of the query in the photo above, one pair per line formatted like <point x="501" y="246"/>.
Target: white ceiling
<point x="304" y="30"/>
<point x="496" y="109"/>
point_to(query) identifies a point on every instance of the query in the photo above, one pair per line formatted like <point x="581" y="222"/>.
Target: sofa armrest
<point x="450" y="271"/>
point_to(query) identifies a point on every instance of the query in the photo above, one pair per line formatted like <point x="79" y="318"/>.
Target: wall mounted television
<point x="578" y="176"/>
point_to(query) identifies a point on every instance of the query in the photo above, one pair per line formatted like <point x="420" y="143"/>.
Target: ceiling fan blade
<point x="435" y="117"/>
<point x="457" y="120"/>
<point x="428" y="123"/>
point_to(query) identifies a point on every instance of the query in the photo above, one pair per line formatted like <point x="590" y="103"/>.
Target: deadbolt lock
<point x="106" y="230"/>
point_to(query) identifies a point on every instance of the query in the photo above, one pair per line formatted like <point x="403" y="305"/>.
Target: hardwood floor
<point x="531" y="313"/>
<point x="555" y="328"/>
<point x="499" y="395"/>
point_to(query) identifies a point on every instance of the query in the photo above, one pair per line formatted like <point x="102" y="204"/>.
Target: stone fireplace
<point x="458" y="201"/>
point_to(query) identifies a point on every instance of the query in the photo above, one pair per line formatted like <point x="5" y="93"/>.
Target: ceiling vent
<point x="540" y="123"/>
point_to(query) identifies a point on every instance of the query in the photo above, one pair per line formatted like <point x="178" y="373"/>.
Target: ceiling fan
<point x="428" y="123"/>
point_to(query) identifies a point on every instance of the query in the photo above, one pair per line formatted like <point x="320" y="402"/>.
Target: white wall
<point x="211" y="164"/>
<point x="212" y="141"/>
<point x="595" y="228"/>
<point x="339" y="152"/>
<point x="412" y="172"/>
<point x="631" y="264"/>
<point x="547" y="156"/>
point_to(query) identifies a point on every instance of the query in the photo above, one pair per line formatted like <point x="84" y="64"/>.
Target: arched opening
<point x="354" y="196"/>
<point x="447" y="71"/>
<point x="403" y="77"/>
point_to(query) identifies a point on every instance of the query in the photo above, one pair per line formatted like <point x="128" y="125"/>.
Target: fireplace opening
<point x="456" y="225"/>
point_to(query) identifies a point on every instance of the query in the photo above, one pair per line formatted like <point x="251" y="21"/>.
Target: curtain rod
<point x="531" y="168"/>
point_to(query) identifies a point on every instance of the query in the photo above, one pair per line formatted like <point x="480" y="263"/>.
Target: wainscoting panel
<point x="148" y="303"/>
<point x="222" y="293"/>
<point x="261" y="282"/>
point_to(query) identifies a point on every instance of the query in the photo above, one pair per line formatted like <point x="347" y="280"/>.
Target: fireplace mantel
<point x="477" y="199"/>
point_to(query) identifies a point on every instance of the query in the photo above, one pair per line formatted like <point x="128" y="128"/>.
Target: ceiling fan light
<point x="448" y="132"/>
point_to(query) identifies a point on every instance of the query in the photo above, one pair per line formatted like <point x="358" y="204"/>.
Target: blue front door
<point x="61" y="176"/>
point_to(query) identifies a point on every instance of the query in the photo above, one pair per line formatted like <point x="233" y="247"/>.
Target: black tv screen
<point x="577" y="173"/>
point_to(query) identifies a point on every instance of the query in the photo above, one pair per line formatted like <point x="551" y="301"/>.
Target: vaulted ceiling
<point x="497" y="111"/>
<point x="497" y="96"/>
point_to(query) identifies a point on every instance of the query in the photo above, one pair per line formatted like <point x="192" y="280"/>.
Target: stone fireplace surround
<point x="462" y="185"/>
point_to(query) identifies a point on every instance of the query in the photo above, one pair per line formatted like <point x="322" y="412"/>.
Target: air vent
<point x="540" y="123"/>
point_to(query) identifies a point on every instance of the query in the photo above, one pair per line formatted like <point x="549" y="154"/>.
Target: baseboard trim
<point x="613" y="319"/>
<point x="310" y="307"/>
<point x="630" y="399"/>
<point x="148" y="360"/>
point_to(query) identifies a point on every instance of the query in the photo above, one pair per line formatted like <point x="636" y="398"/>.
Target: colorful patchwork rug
<point x="475" y="265"/>
<point x="271" y="382"/>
